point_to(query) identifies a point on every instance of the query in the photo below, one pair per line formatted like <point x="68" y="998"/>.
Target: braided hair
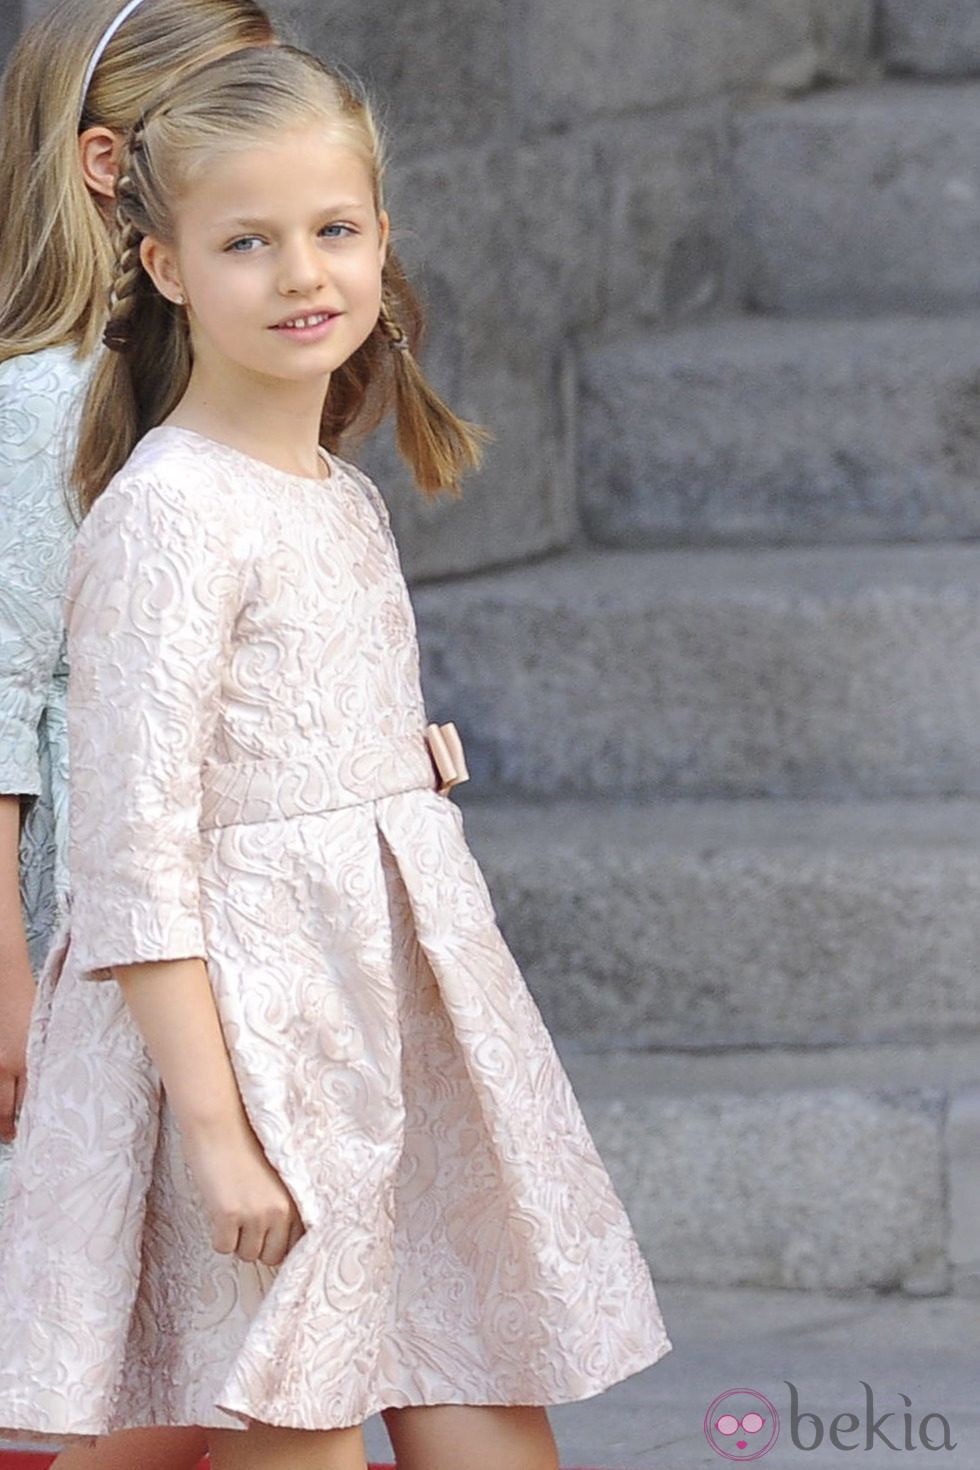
<point x="125" y="287"/>
<point x="147" y="364"/>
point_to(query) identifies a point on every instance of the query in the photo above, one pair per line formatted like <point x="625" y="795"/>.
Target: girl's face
<point x="278" y="254"/>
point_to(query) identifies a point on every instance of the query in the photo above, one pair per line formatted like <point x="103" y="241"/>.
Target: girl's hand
<point x="16" y="1000"/>
<point x="252" y="1212"/>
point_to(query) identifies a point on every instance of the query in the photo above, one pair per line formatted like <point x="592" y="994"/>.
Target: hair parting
<point x="229" y="105"/>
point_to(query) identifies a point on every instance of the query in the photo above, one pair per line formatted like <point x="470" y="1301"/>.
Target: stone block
<point x="704" y="924"/>
<point x="865" y="200"/>
<point x="13" y="17"/>
<point x="511" y="239"/>
<point x="518" y="506"/>
<point x="440" y="72"/>
<point x="826" y="672"/>
<point x="576" y="59"/>
<point x="759" y="432"/>
<point x="941" y="38"/>
<point x="832" y="1189"/>
<point x="665" y="218"/>
<point x="963" y="1146"/>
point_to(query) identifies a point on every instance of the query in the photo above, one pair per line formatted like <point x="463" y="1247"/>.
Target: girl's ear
<point x="99" y="150"/>
<point x="160" y="263"/>
<point x="384" y="231"/>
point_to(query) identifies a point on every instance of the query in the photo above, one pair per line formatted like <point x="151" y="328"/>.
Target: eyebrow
<point x="240" y="222"/>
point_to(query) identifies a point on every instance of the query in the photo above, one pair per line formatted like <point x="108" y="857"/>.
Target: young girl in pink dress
<point x="297" y="1147"/>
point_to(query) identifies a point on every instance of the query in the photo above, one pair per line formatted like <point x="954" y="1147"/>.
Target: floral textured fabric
<point x="39" y="400"/>
<point x="251" y="784"/>
<point x="40" y="396"/>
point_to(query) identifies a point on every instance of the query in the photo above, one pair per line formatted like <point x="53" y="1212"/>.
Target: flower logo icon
<point x="741" y="1425"/>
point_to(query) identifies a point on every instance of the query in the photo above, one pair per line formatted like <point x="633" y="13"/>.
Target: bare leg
<point x="150" y="1449"/>
<point x="264" y="1447"/>
<point x="466" y="1437"/>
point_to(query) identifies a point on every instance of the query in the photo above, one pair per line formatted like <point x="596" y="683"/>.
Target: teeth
<point x="307" y="321"/>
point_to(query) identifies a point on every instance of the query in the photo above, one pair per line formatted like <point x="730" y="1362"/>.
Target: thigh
<point x="264" y="1447"/>
<point x="471" y="1437"/>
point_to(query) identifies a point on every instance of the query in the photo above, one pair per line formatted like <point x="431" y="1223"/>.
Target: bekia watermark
<point x="908" y="1431"/>
<point x="743" y="1425"/>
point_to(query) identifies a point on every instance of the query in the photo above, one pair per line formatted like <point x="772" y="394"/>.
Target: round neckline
<point x="262" y="464"/>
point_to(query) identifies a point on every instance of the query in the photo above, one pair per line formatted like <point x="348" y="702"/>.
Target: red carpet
<point x="24" y="1460"/>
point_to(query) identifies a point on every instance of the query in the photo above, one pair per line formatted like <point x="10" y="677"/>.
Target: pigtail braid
<point x="146" y="368"/>
<point x="438" y="445"/>
<point x="393" y="333"/>
<point x="384" y="375"/>
<point x="124" y="291"/>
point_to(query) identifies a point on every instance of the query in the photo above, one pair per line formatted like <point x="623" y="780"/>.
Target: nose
<point x="302" y="267"/>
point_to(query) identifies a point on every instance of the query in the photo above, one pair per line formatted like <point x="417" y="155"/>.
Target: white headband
<point x="100" y="49"/>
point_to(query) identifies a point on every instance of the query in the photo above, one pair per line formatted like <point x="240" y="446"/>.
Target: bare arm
<point x="252" y="1213"/>
<point x="16" y="980"/>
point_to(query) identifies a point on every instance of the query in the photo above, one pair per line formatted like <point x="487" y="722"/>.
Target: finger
<point x="224" y="1235"/>
<point x="251" y="1239"/>
<point x="8" y="1107"/>
<point x="277" y="1243"/>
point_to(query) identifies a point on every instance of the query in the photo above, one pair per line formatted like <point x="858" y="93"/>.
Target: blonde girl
<point x="76" y="83"/>
<point x="355" y="1178"/>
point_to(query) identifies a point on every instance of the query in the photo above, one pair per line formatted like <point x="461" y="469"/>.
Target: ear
<point x="160" y="263"/>
<point x="384" y="234"/>
<point x="98" y="150"/>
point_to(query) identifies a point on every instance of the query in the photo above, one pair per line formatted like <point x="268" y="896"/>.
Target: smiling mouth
<point x="298" y="323"/>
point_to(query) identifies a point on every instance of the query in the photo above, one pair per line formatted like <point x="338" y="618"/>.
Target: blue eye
<point x="245" y="245"/>
<point x="336" y="231"/>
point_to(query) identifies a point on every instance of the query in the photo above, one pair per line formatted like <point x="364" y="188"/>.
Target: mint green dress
<point x="40" y="398"/>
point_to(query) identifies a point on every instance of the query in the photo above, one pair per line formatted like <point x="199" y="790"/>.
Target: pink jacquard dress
<point x="250" y="783"/>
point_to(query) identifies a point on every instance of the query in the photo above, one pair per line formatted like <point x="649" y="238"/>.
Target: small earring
<point x="181" y="301"/>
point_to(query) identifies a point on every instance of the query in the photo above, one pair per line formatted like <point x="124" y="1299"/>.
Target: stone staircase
<point x="726" y="752"/>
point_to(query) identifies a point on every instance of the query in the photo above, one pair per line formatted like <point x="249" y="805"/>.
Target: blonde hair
<point x="55" y="252"/>
<point x="235" y="103"/>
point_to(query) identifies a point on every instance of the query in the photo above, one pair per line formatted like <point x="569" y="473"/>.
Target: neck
<point x="269" y="419"/>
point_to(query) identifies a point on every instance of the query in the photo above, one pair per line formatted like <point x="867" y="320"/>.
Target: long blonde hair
<point x="55" y="252"/>
<point x="235" y="103"/>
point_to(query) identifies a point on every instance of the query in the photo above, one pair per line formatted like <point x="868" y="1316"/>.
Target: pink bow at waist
<point x="325" y="779"/>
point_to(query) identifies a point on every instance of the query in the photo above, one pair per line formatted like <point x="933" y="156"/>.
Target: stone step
<point x="707" y="924"/>
<point x="862" y="200"/>
<point x="930" y="40"/>
<point x="822" y="672"/>
<point x="841" y="1169"/>
<point x="574" y="59"/>
<point x="766" y="432"/>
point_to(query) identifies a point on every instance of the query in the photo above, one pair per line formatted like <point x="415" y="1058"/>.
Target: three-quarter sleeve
<point x="151" y="607"/>
<point x="37" y="400"/>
